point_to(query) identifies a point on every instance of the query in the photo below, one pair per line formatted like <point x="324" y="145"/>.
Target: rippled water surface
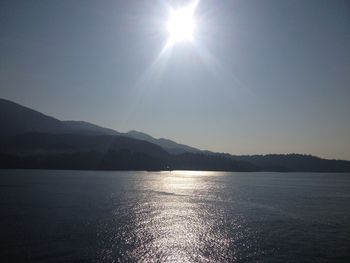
<point x="178" y="216"/>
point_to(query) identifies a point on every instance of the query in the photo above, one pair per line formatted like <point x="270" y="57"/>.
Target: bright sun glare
<point x="181" y="24"/>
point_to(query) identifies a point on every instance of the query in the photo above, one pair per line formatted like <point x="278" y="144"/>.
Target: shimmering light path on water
<point x="179" y="216"/>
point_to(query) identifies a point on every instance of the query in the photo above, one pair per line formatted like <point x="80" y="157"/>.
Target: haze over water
<point x="179" y="216"/>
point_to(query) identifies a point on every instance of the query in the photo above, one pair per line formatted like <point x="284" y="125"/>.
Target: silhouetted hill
<point x="17" y="119"/>
<point x="106" y="152"/>
<point x="198" y="161"/>
<point x="88" y="128"/>
<point x="121" y="160"/>
<point x="30" y="139"/>
<point x="42" y="143"/>
<point x="169" y="145"/>
<point x="295" y="163"/>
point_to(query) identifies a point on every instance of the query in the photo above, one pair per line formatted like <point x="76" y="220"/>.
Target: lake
<point x="177" y="216"/>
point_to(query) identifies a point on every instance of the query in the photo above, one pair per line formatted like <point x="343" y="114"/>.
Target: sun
<point x="181" y="24"/>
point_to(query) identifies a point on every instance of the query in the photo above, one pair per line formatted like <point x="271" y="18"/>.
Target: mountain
<point x="45" y="143"/>
<point x="294" y="163"/>
<point x="17" y="119"/>
<point x="103" y="152"/>
<point x="88" y="128"/>
<point x="30" y="139"/>
<point x="169" y="145"/>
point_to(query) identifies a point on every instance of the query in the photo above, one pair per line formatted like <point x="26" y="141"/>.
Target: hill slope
<point x="30" y="139"/>
<point x="169" y="145"/>
<point x="17" y="119"/>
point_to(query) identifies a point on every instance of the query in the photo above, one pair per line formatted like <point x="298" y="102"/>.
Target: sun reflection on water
<point x="175" y="226"/>
<point x="172" y="218"/>
<point x="179" y="216"/>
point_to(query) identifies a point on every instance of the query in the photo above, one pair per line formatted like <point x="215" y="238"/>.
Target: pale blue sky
<point x="261" y="77"/>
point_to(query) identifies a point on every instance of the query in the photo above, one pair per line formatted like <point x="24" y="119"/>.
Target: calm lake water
<point x="178" y="216"/>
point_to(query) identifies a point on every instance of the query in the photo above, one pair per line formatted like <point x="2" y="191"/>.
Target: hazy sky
<point x="260" y="76"/>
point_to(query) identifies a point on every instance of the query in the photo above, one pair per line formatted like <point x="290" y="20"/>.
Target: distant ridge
<point x="294" y="163"/>
<point x="86" y="127"/>
<point x="17" y="119"/>
<point x="30" y="139"/>
<point x="169" y="145"/>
